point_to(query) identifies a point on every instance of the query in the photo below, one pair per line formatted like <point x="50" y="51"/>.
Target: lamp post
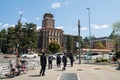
<point x="79" y="42"/>
<point x="89" y="29"/>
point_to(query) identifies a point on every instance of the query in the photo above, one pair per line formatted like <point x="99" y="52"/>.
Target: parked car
<point x="61" y="54"/>
<point x="29" y="55"/>
<point x="82" y="56"/>
<point x="53" y="56"/>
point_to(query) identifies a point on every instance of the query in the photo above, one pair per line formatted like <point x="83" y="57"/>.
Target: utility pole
<point x="79" y="42"/>
<point x="18" y="36"/>
<point x="89" y="31"/>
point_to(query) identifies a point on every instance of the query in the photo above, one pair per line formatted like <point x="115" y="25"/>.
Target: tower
<point x="48" y="21"/>
<point x="49" y="33"/>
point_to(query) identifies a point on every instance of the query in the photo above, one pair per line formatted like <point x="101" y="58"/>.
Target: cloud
<point x="5" y="26"/>
<point x="56" y="5"/>
<point x="105" y="26"/>
<point x="21" y="12"/>
<point x="0" y="24"/>
<point x="37" y="18"/>
<point x="84" y="28"/>
<point x="60" y="27"/>
<point x="39" y="27"/>
<point x="23" y="19"/>
<point x="66" y="2"/>
<point x="95" y="26"/>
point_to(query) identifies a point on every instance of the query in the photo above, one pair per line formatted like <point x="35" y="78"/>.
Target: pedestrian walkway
<point x="77" y="72"/>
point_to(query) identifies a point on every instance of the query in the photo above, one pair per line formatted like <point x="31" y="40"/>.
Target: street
<point x="77" y="72"/>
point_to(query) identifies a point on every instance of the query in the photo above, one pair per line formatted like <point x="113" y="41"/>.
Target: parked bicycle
<point x="17" y="70"/>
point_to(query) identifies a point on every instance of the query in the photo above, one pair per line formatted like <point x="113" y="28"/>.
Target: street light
<point x="79" y="42"/>
<point x="89" y="28"/>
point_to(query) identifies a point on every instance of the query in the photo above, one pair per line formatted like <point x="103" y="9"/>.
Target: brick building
<point x="106" y="41"/>
<point x="49" y="33"/>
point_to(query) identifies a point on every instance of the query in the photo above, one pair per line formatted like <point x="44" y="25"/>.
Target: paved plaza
<point x="77" y="72"/>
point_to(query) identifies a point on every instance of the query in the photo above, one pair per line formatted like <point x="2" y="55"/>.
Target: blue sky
<point x="103" y="13"/>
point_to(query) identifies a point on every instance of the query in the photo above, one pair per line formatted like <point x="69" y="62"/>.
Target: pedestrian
<point x="64" y="60"/>
<point x="58" y="61"/>
<point x="43" y="63"/>
<point x="18" y="64"/>
<point x="49" y="62"/>
<point x="71" y="59"/>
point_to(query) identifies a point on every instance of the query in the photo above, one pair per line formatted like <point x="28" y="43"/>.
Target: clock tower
<point x="49" y="33"/>
<point x="48" y="21"/>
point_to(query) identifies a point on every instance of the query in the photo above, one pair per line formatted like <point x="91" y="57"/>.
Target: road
<point x="77" y="72"/>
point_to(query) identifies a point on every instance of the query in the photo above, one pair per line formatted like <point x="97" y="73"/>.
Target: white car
<point x="53" y="56"/>
<point x="60" y="54"/>
<point x="30" y="55"/>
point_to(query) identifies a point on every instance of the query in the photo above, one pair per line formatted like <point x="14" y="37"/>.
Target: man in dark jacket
<point x="58" y="61"/>
<point x="43" y="63"/>
<point x="71" y="59"/>
<point x="50" y="62"/>
<point x="64" y="60"/>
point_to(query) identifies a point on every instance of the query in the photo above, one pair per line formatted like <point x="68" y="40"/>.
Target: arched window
<point x="50" y="32"/>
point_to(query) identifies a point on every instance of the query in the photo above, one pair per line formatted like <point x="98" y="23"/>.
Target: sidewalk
<point x="83" y="72"/>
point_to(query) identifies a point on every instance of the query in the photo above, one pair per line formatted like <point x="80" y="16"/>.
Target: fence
<point x="5" y="67"/>
<point x="33" y="64"/>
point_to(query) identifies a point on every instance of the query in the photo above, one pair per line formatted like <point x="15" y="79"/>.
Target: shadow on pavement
<point x="59" y="70"/>
<point x="34" y="76"/>
<point x="118" y="69"/>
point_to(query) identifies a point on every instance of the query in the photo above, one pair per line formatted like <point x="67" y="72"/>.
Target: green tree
<point x="53" y="46"/>
<point x="3" y="39"/>
<point x="32" y="35"/>
<point x="99" y="46"/>
<point x="86" y="42"/>
<point x="69" y="43"/>
<point x="11" y="39"/>
<point x="116" y="34"/>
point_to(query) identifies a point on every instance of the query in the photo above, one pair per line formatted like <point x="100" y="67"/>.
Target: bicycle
<point x="19" y="69"/>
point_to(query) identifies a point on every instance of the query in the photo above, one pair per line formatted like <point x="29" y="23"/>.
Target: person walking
<point x="58" y="61"/>
<point x="71" y="59"/>
<point x="43" y="63"/>
<point x="64" y="60"/>
<point x="50" y="62"/>
<point x="18" y="64"/>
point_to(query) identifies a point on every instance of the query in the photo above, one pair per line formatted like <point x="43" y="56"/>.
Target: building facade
<point x="49" y="33"/>
<point x="106" y="41"/>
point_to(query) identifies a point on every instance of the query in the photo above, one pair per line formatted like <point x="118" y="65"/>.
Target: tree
<point x="99" y="46"/>
<point x="11" y="39"/>
<point x="69" y="43"/>
<point x="53" y="46"/>
<point x="3" y="39"/>
<point x="86" y="42"/>
<point x="116" y="34"/>
<point x="32" y="35"/>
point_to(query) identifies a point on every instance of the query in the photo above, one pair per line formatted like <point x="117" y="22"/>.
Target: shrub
<point x="118" y="54"/>
<point x="104" y="60"/>
<point x="98" y="61"/>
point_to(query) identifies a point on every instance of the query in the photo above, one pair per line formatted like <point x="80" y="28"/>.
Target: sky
<point x="103" y="13"/>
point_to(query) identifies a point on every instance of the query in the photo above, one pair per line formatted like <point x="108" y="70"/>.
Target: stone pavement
<point x="77" y="72"/>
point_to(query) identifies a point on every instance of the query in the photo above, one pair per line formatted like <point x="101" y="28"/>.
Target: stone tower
<point x="49" y="33"/>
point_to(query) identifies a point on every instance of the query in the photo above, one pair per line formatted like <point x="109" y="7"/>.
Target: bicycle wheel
<point x="12" y="74"/>
<point x="25" y="70"/>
